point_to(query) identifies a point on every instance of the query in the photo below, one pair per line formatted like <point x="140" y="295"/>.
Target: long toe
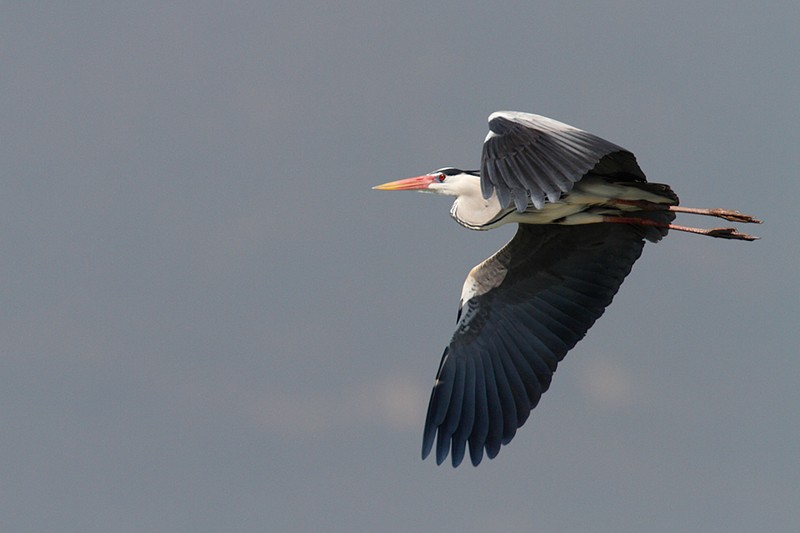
<point x="735" y="216"/>
<point x="730" y="233"/>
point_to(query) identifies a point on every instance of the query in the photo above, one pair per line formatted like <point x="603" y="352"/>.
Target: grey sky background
<point x="211" y="322"/>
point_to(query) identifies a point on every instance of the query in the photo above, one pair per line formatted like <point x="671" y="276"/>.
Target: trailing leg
<point x="727" y="214"/>
<point x="722" y="233"/>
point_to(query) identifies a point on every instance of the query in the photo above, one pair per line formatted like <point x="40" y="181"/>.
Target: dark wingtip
<point x="427" y="439"/>
<point x="475" y="454"/>
<point x="442" y="447"/>
<point x="457" y="457"/>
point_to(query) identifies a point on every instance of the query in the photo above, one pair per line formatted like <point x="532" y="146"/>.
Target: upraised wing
<point x="531" y="156"/>
<point x="522" y="310"/>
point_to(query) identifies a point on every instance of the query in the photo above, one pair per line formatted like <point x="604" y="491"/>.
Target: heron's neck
<point x="472" y="211"/>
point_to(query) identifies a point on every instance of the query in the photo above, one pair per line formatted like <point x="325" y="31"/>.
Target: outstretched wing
<point x="526" y="155"/>
<point x="522" y="310"/>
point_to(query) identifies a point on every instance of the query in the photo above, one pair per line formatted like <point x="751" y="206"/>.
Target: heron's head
<point x="448" y="181"/>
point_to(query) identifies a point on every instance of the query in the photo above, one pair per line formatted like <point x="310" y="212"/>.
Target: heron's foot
<point x="729" y="233"/>
<point x="734" y="216"/>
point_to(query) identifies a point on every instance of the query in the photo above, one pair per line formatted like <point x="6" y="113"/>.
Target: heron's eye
<point x="441" y="178"/>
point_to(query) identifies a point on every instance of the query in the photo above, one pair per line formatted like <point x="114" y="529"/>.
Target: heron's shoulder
<point x="482" y="278"/>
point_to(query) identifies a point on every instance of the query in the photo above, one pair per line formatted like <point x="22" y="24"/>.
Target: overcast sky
<point x="210" y="322"/>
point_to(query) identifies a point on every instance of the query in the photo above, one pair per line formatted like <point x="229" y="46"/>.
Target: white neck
<point x="470" y="209"/>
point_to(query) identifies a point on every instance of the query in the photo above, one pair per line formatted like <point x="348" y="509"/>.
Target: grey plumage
<point x="530" y="155"/>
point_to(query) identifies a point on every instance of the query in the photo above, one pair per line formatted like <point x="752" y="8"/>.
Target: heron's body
<point x="584" y="210"/>
<point x="586" y="203"/>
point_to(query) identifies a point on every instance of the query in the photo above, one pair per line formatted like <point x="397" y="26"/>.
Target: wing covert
<point x="531" y="156"/>
<point x="509" y="339"/>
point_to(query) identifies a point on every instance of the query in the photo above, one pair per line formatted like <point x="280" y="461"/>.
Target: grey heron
<point x="584" y="211"/>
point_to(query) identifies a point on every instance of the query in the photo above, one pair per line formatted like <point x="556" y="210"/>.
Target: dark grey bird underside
<point x="530" y="156"/>
<point x="509" y="340"/>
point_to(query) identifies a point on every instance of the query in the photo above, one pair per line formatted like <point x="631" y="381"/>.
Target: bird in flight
<point x="584" y="211"/>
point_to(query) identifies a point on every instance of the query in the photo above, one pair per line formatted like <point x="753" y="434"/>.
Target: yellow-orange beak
<point x="416" y="183"/>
